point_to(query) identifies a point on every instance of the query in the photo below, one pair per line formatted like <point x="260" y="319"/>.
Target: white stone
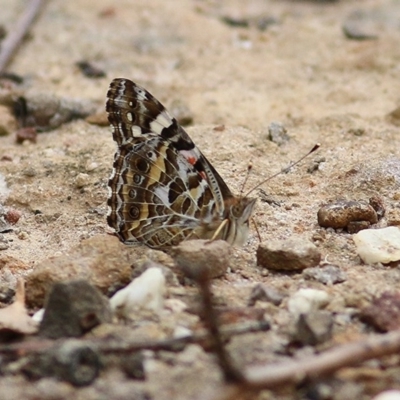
<point x="91" y="166"/>
<point x="307" y="300"/>
<point x="145" y="292"/>
<point x="38" y="316"/>
<point x="181" y="332"/>
<point x="378" y="245"/>
<point x="388" y="395"/>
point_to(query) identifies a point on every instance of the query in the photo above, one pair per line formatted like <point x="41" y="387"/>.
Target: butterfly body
<point x="162" y="189"/>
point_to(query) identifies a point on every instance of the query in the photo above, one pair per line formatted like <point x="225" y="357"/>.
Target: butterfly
<point x="162" y="189"/>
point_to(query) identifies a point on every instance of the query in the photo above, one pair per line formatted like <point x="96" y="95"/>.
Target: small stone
<point x="195" y="257"/>
<point x="12" y="216"/>
<point x="28" y="133"/>
<point x="91" y="166"/>
<point x="388" y="395"/>
<point x="99" y="119"/>
<point x="357" y="226"/>
<point x="313" y="328"/>
<point x="23" y="235"/>
<point x="265" y="293"/>
<point x="82" y="180"/>
<point x="307" y="300"/>
<point x="145" y="292"/>
<point x="133" y="365"/>
<point x="360" y="26"/>
<point x="71" y="361"/>
<point x="29" y="172"/>
<point x="327" y="274"/>
<point x="377" y="204"/>
<point x="340" y="214"/>
<point x="277" y="133"/>
<point x="384" y="312"/>
<point x="294" y="254"/>
<point x="90" y="70"/>
<point x="378" y="245"/>
<point x="72" y="309"/>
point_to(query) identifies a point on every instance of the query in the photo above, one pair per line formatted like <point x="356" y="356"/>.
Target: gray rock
<point x="265" y="293"/>
<point x="294" y="254"/>
<point x="328" y="274"/>
<point x="313" y="328"/>
<point x="73" y="308"/>
<point x="277" y="133"/>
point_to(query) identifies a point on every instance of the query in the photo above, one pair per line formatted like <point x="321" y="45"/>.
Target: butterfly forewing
<point x="162" y="189"/>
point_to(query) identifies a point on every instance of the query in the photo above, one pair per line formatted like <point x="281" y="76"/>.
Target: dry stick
<point x="14" y="39"/>
<point x="315" y="367"/>
<point x="108" y="346"/>
<point x="231" y="373"/>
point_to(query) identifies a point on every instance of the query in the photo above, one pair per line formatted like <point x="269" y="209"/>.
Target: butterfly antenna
<point x="249" y="168"/>
<point x="285" y="170"/>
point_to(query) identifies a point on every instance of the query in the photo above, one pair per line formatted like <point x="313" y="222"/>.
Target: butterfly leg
<point x="256" y="227"/>
<point x="219" y="229"/>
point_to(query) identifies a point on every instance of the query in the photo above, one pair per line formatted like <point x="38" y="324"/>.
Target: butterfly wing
<point x="162" y="187"/>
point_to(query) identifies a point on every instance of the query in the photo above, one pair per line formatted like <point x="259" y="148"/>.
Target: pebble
<point x="196" y="257"/>
<point x="388" y="395"/>
<point x="307" y="300"/>
<point x="72" y="309"/>
<point x="46" y="111"/>
<point x="12" y="216"/>
<point x="71" y="361"/>
<point x="384" y="312"/>
<point x="360" y="26"/>
<point x="293" y="254"/>
<point x="327" y="274"/>
<point x="313" y="328"/>
<point x="277" y="133"/>
<point x="378" y="245"/>
<point x="82" y="180"/>
<point x="339" y="214"/>
<point x="145" y="292"/>
<point x="265" y="293"/>
<point x="91" y="166"/>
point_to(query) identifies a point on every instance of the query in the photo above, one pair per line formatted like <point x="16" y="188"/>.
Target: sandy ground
<point x="301" y="71"/>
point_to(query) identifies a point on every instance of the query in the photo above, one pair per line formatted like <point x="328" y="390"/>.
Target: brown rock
<point x="384" y="312"/>
<point x="293" y="254"/>
<point x="340" y="214"/>
<point x="102" y="260"/>
<point x="198" y="256"/>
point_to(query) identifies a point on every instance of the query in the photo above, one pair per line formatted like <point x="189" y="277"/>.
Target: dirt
<point x="301" y="71"/>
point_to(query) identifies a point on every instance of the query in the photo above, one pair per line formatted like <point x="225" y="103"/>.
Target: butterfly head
<point x="239" y="215"/>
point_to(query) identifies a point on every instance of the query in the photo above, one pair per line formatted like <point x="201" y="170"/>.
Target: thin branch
<point x="324" y="364"/>
<point x="14" y="39"/>
<point x="108" y="346"/>
<point x="231" y="373"/>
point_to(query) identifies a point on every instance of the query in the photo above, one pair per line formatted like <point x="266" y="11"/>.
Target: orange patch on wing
<point x="192" y="160"/>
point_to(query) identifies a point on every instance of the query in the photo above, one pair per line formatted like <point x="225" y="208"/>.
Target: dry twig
<point x="326" y="363"/>
<point x="14" y="39"/>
